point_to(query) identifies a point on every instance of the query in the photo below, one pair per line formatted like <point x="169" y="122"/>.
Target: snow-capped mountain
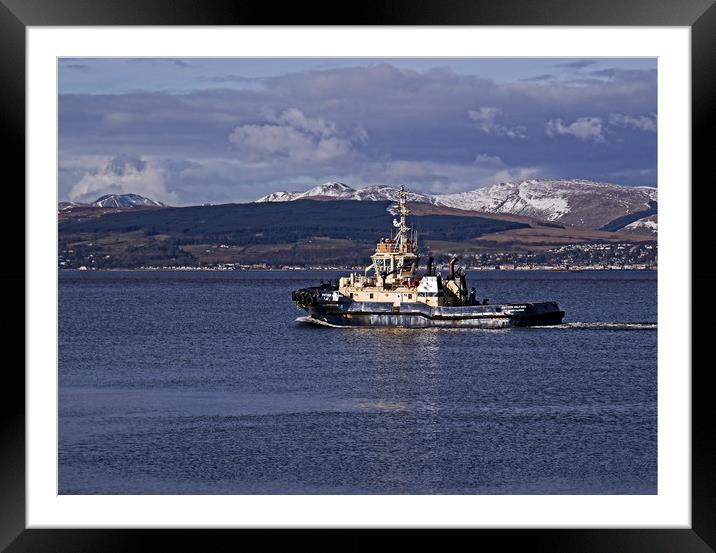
<point x="125" y="200"/>
<point x="645" y="225"/>
<point x="278" y="197"/>
<point x="340" y="191"/>
<point x="379" y="192"/>
<point x="328" y="189"/>
<point x="576" y="203"/>
<point x="62" y="206"/>
<point x="579" y="203"/>
<point x="112" y="200"/>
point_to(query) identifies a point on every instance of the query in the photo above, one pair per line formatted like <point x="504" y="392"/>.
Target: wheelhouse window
<point x="407" y="265"/>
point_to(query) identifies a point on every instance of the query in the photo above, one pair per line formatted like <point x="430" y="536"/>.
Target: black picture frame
<point x="699" y="15"/>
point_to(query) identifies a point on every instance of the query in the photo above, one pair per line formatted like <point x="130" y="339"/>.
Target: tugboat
<point x="392" y="293"/>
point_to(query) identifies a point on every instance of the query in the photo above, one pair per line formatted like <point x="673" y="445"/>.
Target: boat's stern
<point x="308" y="298"/>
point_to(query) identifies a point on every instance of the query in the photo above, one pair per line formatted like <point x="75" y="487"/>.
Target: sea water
<point x="205" y="383"/>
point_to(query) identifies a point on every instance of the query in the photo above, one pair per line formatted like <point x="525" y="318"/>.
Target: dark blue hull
<point x="417" y="315"/>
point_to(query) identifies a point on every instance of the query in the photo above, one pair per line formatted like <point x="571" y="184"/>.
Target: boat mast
<point x="403" y="227"/>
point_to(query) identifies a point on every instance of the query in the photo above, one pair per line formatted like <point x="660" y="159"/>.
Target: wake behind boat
<point x="391" y="292"/>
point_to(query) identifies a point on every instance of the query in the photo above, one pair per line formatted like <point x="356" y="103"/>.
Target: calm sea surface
<point x="204" y="383"/>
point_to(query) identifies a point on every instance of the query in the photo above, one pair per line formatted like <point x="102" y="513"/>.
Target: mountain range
<point x="570" y="202"/>
<point x="340" y="191"/>
<point x="579" y="204"/>
<point x="334" y="223"/>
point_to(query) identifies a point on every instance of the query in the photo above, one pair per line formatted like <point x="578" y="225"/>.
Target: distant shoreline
<point x="336" y="269"/>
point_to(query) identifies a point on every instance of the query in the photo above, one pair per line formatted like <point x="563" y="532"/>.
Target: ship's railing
<point x="362" y="281"/>
<point x="394" y="247"/>
<point x="388" y="247"/>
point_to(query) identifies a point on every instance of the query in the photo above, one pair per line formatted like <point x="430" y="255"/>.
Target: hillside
<point x="109" y="203"/>
<point x="340" y="191"/>
<point x="272" y="223"/>
<point x="125" y="200"/>
<point x="576" y="203"/>
<point x="327" y="232"/>
<point x="113" y="200"/>
<point x="644" y="226"/>
<point x="338" y="231"/>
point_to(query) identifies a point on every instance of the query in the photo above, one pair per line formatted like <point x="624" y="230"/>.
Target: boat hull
<point x="416" y="315"/>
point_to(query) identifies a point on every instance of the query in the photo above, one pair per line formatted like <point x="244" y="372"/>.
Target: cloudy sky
<point x="196" y="130"/>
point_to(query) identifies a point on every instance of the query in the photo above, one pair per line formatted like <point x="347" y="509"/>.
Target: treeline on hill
<point x="281" y="223"/>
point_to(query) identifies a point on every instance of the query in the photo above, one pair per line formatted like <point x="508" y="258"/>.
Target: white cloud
<point x="272" y="139"/>
<point x="294" y="135"/>
<point x="515" y="174"/>
<point x="360" y="134"/>
<point x="123" y="175"/>
<point x="486" y="160"/>
<point x="639" y="122"/>
<point x="486" y="118"/>
<point x="317" y="126"/>
<point x="585" y="129"/>
<point x="412" y="171"/>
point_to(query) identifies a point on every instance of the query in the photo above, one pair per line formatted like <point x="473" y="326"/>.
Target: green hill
<point x="273" y="233"/>
<point x="285" y="222"/>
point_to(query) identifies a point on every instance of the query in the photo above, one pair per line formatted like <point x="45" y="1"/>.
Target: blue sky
<point x="195" y="130"/>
